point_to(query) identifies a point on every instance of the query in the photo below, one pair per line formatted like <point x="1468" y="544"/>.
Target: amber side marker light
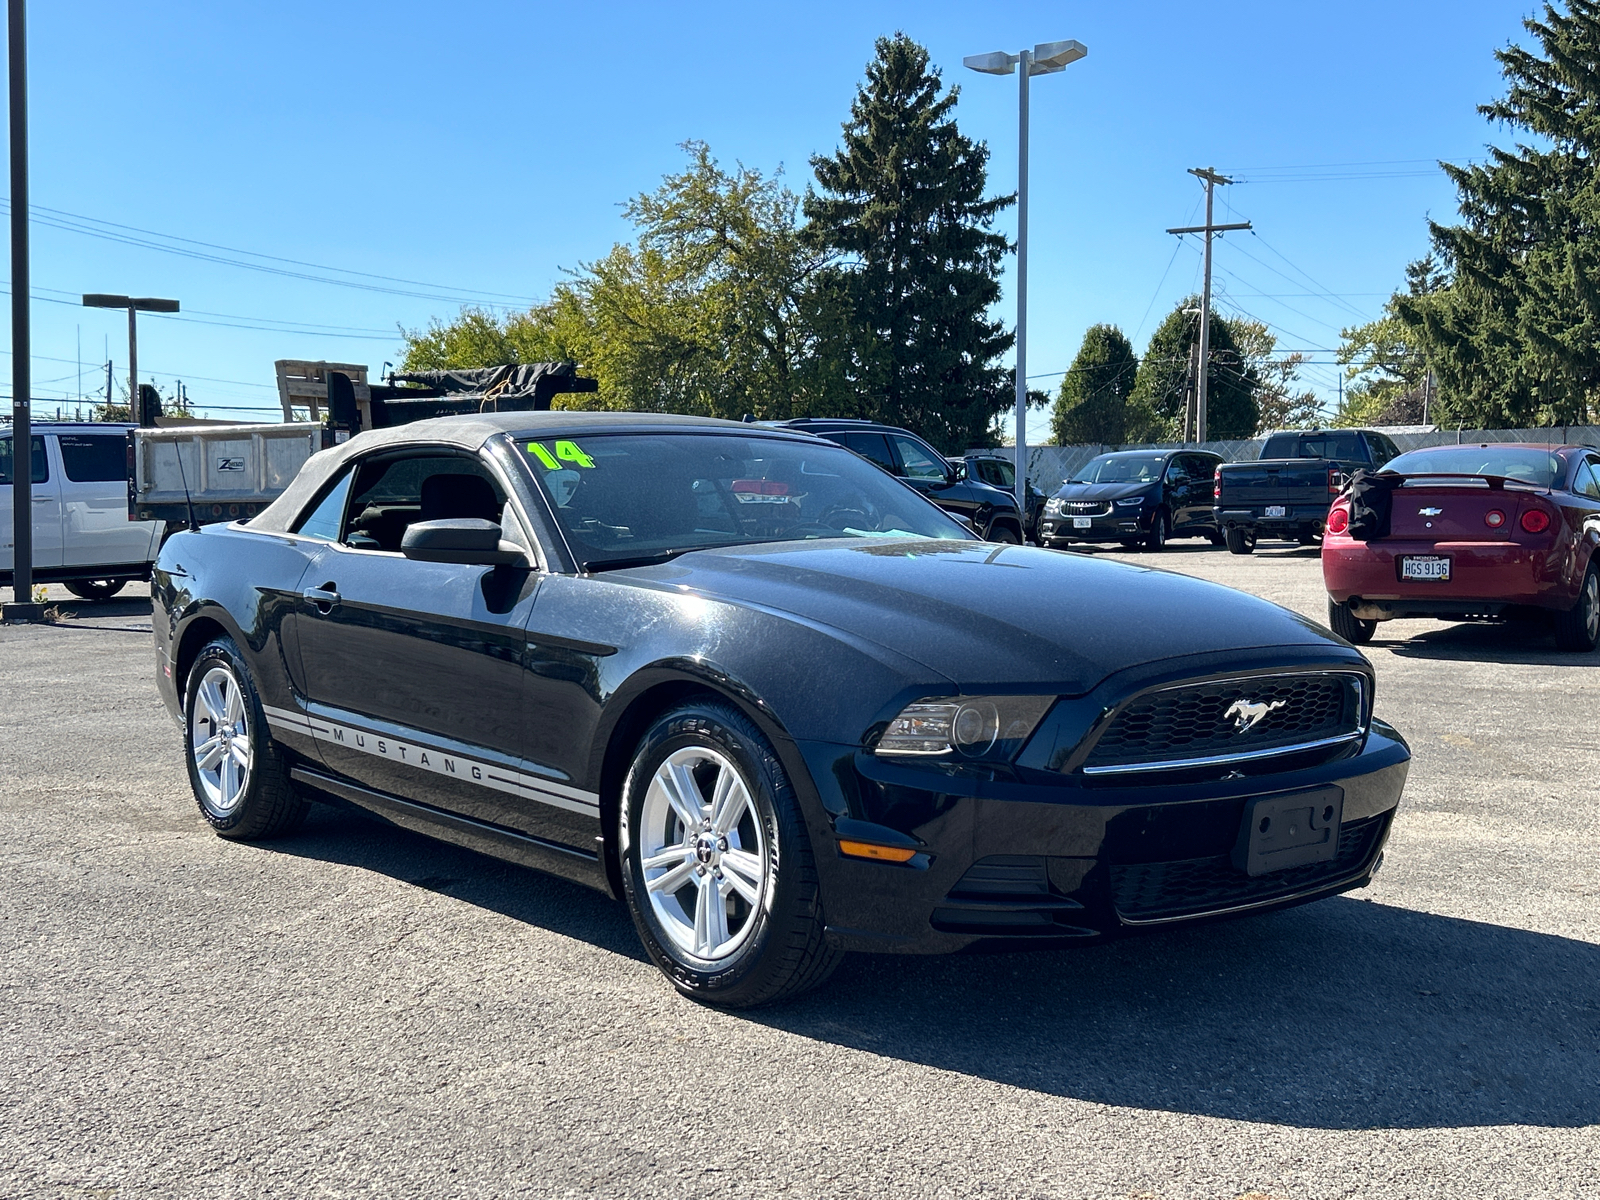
<point x="880" y="853"/>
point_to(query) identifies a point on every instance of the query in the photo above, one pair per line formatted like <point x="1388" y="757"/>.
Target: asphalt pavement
<point x="359" y="1011"/>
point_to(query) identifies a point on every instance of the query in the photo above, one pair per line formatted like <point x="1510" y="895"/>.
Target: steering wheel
<point x="841" y="516"/>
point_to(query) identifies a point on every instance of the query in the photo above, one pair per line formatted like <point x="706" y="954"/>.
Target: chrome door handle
<point x="43" y="499"/>
<point x="323" y="597"/>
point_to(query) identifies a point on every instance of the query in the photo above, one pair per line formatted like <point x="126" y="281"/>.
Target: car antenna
<point x="188" y="500"/>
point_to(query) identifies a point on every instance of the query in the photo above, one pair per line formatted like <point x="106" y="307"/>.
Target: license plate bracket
<point x="1277" y="510"/>
<point x="1425" y="568"/>
<point x="1081" y="522"/>
<point x="1279" y="832"/>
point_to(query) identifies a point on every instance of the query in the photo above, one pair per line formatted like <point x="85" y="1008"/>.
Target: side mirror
<point x="958" y="472"/>
<point x="470" y="541"/>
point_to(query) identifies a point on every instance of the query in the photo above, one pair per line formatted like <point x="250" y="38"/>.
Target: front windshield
<point x="1525" y="463"/>
<point x="636" y="498"/>
<point x="1122" y="468"/>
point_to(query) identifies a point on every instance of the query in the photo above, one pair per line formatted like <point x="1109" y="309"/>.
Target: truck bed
<point x="215" y="473"/>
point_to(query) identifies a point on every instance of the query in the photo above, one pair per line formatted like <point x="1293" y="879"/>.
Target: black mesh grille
<point x="1086" y="508"/>
<point x="1151" y="891"/>
<point x="1204" y="721"/>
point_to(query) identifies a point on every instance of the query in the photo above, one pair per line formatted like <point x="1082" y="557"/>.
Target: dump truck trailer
<point x="198" y="474"/>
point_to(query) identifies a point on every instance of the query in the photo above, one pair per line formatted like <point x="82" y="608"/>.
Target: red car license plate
<point x="1429" y="568"/>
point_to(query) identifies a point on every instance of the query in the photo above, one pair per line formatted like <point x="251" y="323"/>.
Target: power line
<point x="111" y="231"/>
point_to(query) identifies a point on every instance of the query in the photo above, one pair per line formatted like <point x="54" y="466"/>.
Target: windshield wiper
<point x="641" y="560"/>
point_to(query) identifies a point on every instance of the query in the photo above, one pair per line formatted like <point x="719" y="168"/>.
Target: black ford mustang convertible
<point x="769" y="695"/>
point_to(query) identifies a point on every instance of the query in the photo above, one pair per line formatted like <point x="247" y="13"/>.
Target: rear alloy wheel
<point x="1356" y="630"/>
<point x="239" y="777"/>
<point x="95" y="589"/>
<point x="1578" y="628"/>
<point x="1239" y="542"/>
<point x="1156" y="539"/>
<point x="717" y="865"/>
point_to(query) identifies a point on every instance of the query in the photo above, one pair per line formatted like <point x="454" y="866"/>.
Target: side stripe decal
<point x="440" y="762"/>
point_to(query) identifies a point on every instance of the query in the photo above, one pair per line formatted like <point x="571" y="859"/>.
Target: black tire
<point x="1160" y="530"/>
<point x="782" y="949"/>
<point x="95" y="589"/>
<point x="1353" y="629"/>
<point x="1004" y="534"/>
<point x="267" y="803"/>
<point x="1578" y="629"/>
<point x="1238" y="541"/>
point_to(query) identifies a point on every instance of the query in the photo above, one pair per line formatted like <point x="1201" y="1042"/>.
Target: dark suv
<point x="991" y="512"/>
<point x="1134" y="497"/>
<point x="992" y="468"/>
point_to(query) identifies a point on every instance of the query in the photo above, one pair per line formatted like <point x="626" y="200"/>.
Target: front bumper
<point x="1115" y="526"/>
<point x="1029" y="862"/>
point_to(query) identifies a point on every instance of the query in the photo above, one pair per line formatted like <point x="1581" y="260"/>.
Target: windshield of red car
<point x="623" y="498"/>
<point x="1529" y="464"/>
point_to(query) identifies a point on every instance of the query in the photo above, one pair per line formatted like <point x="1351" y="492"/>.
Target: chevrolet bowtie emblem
<point x="1429" y="512"/>
<point x="1247" y="714"/>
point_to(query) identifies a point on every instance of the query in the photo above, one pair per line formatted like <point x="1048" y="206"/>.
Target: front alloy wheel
<point x="716" y="861"/>
<point x="703" y="853"/>
<point x="1156" y="539"/>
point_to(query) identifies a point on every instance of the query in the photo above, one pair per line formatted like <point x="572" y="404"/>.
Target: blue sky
<point x="480" y="148"/>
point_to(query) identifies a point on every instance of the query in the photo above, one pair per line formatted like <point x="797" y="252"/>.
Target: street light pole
<point x="22" y="607"/>
<point x="1044" y="59"/>
<point x="134" y="305"/>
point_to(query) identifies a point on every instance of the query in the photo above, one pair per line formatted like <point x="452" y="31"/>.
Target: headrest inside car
<point x="448" y="496"/>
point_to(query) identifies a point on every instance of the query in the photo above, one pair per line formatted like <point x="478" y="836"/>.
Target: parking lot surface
<point x="359" y="1011"/>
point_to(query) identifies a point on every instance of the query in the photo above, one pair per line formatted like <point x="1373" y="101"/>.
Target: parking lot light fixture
<point x="134" y="305"/>
<point x="1044" y="59"/>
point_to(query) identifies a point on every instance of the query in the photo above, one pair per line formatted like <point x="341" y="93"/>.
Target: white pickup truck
<point x="82" y="534"/>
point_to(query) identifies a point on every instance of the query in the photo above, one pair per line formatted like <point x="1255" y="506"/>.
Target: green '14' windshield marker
<point x="544" y="456"/>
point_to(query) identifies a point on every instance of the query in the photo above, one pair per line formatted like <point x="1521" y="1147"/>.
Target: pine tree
<point x="1515" y="338"/>
<point x="1157" y="401"/>
<point x="1091" y="407"/>
<point x="902" y="206"/>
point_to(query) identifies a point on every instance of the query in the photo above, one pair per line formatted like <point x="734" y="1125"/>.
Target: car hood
<point x="987" y="615"/>
<point x="1103" y="491"/>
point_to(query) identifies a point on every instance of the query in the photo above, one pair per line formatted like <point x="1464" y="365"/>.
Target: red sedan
<point x="1468" y="533"/>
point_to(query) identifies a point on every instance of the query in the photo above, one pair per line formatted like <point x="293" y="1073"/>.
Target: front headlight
<point x="1053" y="505"/>
<point x="1130" y="502"/>
<point x="990" y="728"/>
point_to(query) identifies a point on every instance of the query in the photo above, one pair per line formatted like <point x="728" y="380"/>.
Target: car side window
<point x="324" y="520"/>
<point x="41" y="468"/>
<point x="93" y="458"/>
<point x="1178" y="470"/>
<point x="1586" y="480"/>
<point x="1382" y="448"/>
<point x="391" y="492"/>
<point x="874" y="446"/>
<point x="919" y="462"/>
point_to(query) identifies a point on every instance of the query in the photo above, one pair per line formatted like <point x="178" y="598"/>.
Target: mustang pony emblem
<point x="1247" y="714"/>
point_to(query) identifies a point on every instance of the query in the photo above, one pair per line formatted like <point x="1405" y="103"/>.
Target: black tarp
<point x="1371" y="502"/>
<point x="514" y="387"/>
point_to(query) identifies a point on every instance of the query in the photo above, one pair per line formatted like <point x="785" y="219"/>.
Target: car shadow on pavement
<point x="1339" y="1015"/>
<point x="1524" y="642"/>
<point x="354" y="839"/>
<point x="77" y="610"/>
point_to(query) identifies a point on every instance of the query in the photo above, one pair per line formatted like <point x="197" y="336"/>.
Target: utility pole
<point x="110" y="366"/>
<point x="22" y="607"/>
<point x="1210" y="178"/>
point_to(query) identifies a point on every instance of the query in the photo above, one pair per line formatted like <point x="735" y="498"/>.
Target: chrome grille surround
<point x="1086" y="508"/>
<point x="1186" y="726"/>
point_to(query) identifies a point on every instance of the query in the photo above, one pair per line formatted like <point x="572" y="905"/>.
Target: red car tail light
<point x="1338" y="519"/>
<point x="1494" y="518"/>
<point x="1216" y="484"/>
<point x="1535" y="520"/>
